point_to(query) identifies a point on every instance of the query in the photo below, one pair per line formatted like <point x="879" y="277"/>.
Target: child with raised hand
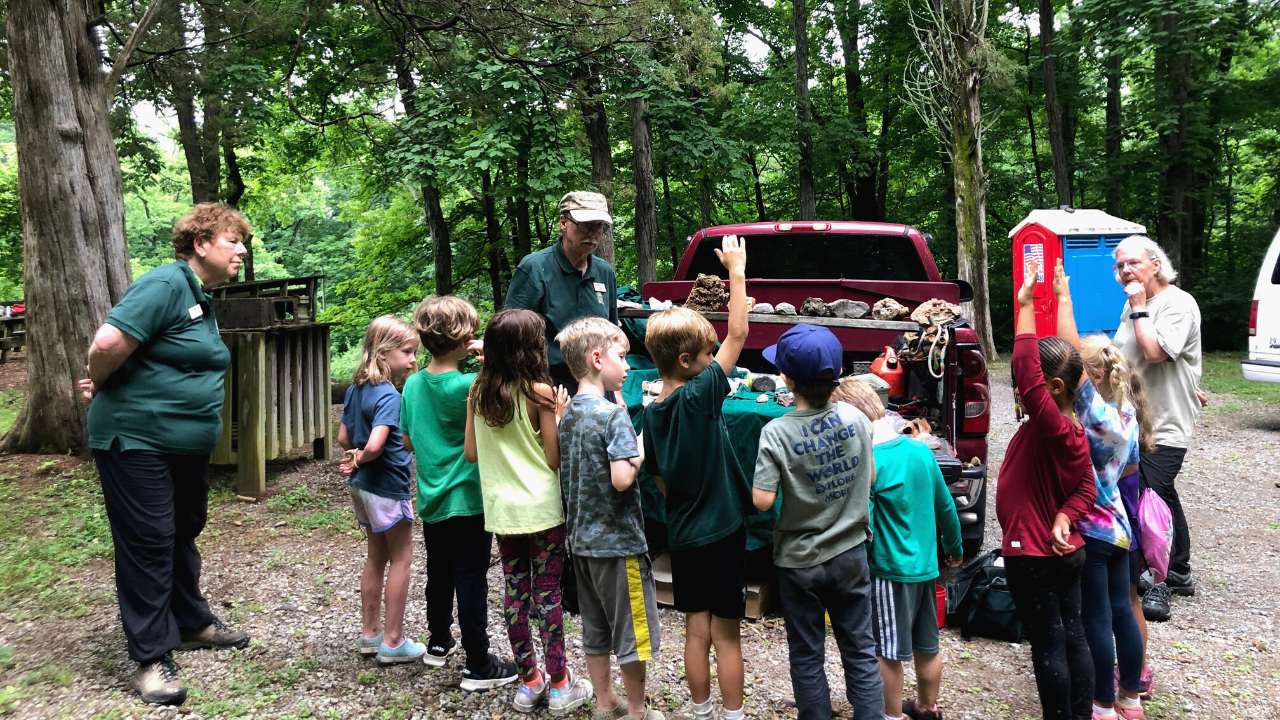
<point x="1046" y="487"/>
<point x="1102" y="403"/>
<point x="910" y="503"/>
<point x="819" y="457"/>
<point x="686" y="449"/>
<point x="376" y="460"/>
<point x="511" y="432"/>
<point x="434" y="418"/>
<point x="599" y="457"/>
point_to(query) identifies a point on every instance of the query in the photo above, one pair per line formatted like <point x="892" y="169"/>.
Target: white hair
<point x="1135" y="243"/>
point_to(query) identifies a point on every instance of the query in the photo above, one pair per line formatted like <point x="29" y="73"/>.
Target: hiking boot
<point x="216" y="634"/>
<point x="437" y="654"/>
<point x="1180" y="584"/>
<point x="406" y="651"/>
<point x="575" y="692"/>
<point x="530" y="695"/>
<point x="1144" y="582"/>
<point x="495" y="673"/>
<point x="1155" y="604"/>
<point x="915" y="711"/>
<point x="368" y="647"/>
<point x="158" y="682"/>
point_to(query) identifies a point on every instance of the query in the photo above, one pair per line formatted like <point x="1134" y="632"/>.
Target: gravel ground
<point x="286" y="571"/>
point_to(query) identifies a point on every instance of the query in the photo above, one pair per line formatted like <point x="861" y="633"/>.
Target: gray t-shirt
<point x="820" y="461"/>
<point x="602" y="522"/>
<point x="1171" y="384"/>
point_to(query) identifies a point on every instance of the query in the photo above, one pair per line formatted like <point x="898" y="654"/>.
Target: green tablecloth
<point x="744" y="418"/>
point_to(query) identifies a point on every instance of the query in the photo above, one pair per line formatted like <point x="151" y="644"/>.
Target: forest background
<point x="404" y="148"/>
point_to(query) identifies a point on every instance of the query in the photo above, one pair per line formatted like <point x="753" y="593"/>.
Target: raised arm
<point x="733" y="255"/>
<point x="1066" y="313"/>
<point x="1026" y="318"/>
<point x="1144" y="329"/>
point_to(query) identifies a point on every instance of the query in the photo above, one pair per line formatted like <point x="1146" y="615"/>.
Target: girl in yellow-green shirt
<point x="512" y="417"/>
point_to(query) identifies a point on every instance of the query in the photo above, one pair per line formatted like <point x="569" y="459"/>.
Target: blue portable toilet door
<point x="1096" y="296"/>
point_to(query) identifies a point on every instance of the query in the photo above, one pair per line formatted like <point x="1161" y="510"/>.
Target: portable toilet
<point x="1084" y="239"/>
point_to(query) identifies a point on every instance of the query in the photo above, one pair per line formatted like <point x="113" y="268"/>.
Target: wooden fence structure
<point x="277" y="388"/>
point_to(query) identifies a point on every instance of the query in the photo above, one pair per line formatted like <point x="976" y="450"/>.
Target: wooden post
<point x="272" y="399"/>
<point x="285" y="419"/>
<point x="222" y="453"/>
<point x="305" y="383"/>
<point x="252" y="374"/>
<point x="321" y="448"/>
<point x="299" y="434"/>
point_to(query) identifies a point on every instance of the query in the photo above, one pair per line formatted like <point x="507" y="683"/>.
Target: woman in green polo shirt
<point x="154" y="384"/>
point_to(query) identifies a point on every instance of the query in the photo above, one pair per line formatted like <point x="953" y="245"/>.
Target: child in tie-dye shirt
<point x="1111" y="426"/>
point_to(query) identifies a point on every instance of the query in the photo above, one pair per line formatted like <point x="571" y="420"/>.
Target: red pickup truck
<point x="792" y="261"/>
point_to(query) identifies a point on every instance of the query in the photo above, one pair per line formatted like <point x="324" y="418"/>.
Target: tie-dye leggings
<point x="531" y="566"/>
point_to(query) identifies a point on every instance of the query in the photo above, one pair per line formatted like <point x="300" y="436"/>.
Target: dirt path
<point x="286" y="571"/>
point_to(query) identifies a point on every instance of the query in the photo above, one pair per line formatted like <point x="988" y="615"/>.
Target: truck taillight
<point x="1253" y="318"/>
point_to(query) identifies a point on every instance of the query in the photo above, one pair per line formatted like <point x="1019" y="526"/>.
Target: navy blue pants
<point x="458" y="551"/>
<point x="157" y="504"/>
<point x="842" y="587"/>
<point x="1108" y="619"/>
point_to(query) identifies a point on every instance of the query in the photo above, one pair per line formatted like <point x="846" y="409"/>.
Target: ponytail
<point x="1138" y="395"/>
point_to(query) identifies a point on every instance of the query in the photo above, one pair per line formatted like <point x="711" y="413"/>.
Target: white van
<point x="1264" y="321"/>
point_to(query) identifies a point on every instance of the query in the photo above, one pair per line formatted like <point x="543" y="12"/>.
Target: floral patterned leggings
<point x="531" y="566"/>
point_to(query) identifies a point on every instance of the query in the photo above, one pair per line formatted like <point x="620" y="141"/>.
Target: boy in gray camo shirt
<point x="599" y="457"/>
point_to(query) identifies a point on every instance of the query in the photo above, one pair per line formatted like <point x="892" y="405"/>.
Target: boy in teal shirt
<point x="910" y="499"/>
<point x="433" y="418"/>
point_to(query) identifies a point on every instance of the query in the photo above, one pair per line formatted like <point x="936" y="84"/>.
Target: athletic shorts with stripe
<point x="619" y="605"/>
<point x="904" y="619"/>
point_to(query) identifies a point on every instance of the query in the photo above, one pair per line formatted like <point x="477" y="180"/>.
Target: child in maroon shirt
<point x="1046" y="486"/>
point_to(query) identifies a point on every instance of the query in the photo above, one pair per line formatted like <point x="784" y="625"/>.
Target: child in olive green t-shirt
<point x="434" y="418"/>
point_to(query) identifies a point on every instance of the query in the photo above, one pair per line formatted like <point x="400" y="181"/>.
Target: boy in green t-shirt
<point x="433" y="417"/>
<point x="686" y="449"/>
<point x="819" y="458"/>
<point x="909" y="503"/>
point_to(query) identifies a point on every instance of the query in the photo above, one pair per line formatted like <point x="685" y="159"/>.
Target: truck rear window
<point x="819" y="256"/>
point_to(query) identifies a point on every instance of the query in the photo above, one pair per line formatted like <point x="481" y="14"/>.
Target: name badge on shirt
<point x="599" y="287"/>
<point x="195" y="311"/>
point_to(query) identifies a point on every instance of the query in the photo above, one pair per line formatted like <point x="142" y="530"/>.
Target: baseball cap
<point x="805" y="351"/>
<point x="585" y="206"/>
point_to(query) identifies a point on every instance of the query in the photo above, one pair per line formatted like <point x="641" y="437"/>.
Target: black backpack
<point x="979" y="601"/>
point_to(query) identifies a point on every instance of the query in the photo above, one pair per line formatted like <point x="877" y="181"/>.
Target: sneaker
<point x="216" y="634"/>
<point x="529" y="697"/>
<point x="406" y="651"/>
<point x="1155" y="604"/>
<point x="1146" y="683"/>
<point x="496" y="673"/>
<point x="158" y="682"/>
<point x="1180" y="584"/>
<point x="437" y="654"/>
<point x="369" y="647"/>
<point x="913" y="710"/>
<point x="575" y="692"/>
<point x="617" y="712"/>
<point x="1144" y="582"/>
<point x="1130" y="712"/>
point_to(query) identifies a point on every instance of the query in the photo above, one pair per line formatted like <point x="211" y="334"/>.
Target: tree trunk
<point x="437" y="225"/>
<point x="1031" y="117"/>
<point x="971" y="220"/>
<point x="1057" y="145"/>
<point x="672" y="244"/>
<point x="591" y="104"/>
<point x="76" y="261"/>
<point x="1115" y="178"/>
<point x="646" y="222"/>
<point x="804" y="111"/>
<point x="493" y="239"/>
<point x="862" y="179"/>
<point x="887" y="115"/>
<point x="755" y="183"/>
<point x="1172" y="65"/>
<point x="524" y="237"/>
<point x="705" y="204"/>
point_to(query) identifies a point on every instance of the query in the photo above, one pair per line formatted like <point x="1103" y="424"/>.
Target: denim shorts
<point x="378" y="514"/>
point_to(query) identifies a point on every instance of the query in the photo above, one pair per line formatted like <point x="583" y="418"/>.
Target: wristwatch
<point x="1139" y="314"/>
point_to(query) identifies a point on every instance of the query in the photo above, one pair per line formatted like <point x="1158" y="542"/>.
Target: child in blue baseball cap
<point x="820" y="456"/>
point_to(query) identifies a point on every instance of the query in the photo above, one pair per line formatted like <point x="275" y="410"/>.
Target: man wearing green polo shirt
<point x="565" y="281"/>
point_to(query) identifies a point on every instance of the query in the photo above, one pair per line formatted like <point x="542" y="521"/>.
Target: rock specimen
<point x="889" y="309"/>
<point x="784" y="308"/>
<point x="935" y="312"/>
<point x="844" y="308"/>
<point x="815" y="307"/>
<point x="762" y="308"/>
<point x="708" y="294"/>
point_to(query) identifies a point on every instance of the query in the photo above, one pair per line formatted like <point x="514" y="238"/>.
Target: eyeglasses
<point x="592" y="228"/>
<point x="1135" y="263"/>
